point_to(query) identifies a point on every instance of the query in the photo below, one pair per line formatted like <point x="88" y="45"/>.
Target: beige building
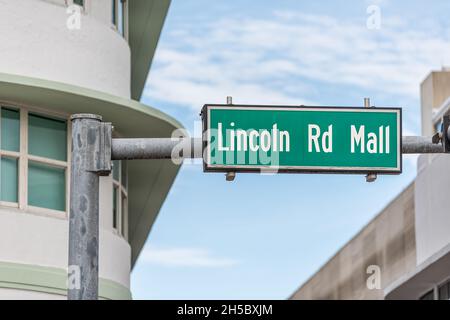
<point x="404" y="252"/>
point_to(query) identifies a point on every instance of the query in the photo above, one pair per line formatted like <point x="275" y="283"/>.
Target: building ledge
<point x="149" y="180"/>
<point x="428" y="274"/>
<point x="52" y="281"/>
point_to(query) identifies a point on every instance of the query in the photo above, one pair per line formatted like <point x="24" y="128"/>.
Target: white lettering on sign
<point x="376" y="142"/>
<point x="319" y="140"/>
<point x="253" y="140"/>
<point x="326" y="139"/>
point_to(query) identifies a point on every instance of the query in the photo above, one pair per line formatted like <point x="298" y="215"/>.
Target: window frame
<point x="83" y="7"/>
<point x="446" y="281"/>
<point x="115" y="4"/>
<point x="12" y="155"/>
<point x="121" y="227"/>
<point x="24" y="158"/>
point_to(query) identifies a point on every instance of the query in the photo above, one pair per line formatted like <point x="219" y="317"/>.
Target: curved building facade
<point x="60" y="57"/>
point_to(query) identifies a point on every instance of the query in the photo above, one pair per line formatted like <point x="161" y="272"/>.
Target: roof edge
<point x="88" y="93"/>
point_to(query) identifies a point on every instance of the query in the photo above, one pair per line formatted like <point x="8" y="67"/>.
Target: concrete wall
<point x="37" y="43"/>
<point x="432" y="210"/>
<point x="39" y="238"/>
<point x="432" y="182"/>
<point x="388" y="241"/>
<point x="14" y="294"/>
<point x="434" y="91"/>
<point x="42" y="240"/>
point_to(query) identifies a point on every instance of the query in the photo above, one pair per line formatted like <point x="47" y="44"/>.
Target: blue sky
<point x="262" y="236"/>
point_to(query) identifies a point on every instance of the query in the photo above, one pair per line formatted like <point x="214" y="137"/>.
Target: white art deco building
<point x="50" y="69"/>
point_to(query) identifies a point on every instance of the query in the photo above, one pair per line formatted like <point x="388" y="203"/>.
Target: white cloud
<point x="276" y="61"/>
<point x="184" y="257"/>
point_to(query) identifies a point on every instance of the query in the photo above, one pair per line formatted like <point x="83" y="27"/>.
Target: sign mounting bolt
<point x="230" y="176"/>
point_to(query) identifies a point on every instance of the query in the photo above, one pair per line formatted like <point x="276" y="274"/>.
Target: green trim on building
<point x="149" y="180"/>
<point x="70" y="98"/>
<point x="52" y="281"/>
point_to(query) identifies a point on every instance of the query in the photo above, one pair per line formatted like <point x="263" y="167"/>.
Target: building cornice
<point x="52" y="281"/>
<point x="149" y="180"/>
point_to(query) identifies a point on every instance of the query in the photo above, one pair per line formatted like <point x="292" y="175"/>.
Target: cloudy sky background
<point x="262" y="236"/>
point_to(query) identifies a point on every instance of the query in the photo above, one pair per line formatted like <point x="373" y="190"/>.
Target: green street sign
<point x="245" y="138"/>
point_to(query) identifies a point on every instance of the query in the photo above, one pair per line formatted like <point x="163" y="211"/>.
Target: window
<point x="120" y="197"/>
<point x="113" y="13"/>
<point x="9" y="154"/>
<point x="46" y="186"/>
<point x="444" y="291"/>
<point x="79" y="2"/>
<point x="47" y="149"/>
<point x="47" y="137"/>
<point x="428" y="296"/>
<point x="10" y="129"/>
<point x="33" y="155"/>
<point x="119" y="16"/>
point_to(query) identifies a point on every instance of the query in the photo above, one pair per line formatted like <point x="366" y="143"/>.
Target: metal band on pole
<point x="417" y="145"/>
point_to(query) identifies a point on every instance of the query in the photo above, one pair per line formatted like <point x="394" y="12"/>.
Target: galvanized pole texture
<point x="91" y="150"/>
<point x="156" y="148"/>
<point x="370" y="177"/>
<point x="417" y="145"/>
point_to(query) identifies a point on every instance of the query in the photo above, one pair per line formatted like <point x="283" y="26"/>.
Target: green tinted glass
<point x="47" y="137"/>
<point x="120" y="18"/>
<point x="116" y="170"/>
<point x="115" y="209"/>
<point x="46" y="186"/>
<point x="8" y="179"/>
<point x="113" y="13"/>
<point x="10" y="130"/>
<point x="124" y="172"/>
<point x="124" y="210"/>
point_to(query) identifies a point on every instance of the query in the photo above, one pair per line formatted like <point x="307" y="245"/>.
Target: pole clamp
<point x="97" y="137"/>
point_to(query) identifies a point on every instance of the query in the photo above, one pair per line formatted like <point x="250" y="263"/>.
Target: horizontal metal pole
<point x="162" y="148"/>
<point x="156" y="148"/>
<point x="417" y="145"/>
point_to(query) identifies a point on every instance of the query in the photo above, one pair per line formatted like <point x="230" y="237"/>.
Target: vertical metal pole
<point x="370" y="177"/>
<point x="231" y="175"/>
<point x="84" y="212"/>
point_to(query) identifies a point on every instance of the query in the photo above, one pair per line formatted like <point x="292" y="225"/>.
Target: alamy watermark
<point x="74" y="277"/>
<point x="245" y="147"/>
<point x="373" y="21"/>
<point x="73" y="21"/>
<point x="373" y="282"/>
